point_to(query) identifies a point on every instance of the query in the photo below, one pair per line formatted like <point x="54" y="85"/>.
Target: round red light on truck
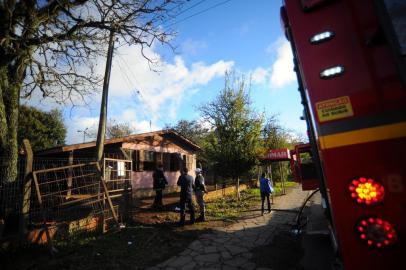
<point x="376" y="232"/>
<point x="366" y="191"/>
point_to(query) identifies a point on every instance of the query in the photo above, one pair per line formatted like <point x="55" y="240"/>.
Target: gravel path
<point x="231" y="247"/>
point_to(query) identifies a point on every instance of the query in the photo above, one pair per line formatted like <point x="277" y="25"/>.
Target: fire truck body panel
<point x="358" y="110"/>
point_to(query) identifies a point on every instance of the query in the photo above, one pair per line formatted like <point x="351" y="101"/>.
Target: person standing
<point x="159" y="185"/>
<point x="200" y="189"/>
<point x="265" y="189"/>
<point x="185" y="181"/>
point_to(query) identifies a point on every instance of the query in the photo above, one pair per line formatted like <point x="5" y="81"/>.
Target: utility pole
<point x="101" y="133"/>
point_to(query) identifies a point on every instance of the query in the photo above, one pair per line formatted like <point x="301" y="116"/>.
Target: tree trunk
<point x="9" y="105"/>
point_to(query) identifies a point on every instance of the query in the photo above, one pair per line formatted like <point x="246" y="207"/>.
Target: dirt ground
<point x="153" y="236"/>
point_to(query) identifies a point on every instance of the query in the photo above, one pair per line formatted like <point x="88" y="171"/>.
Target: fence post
<point x="106" y="192"/>
<point x="25" y="207"/>
<point x="282" y="179"/>
<point x="70" y="172"/>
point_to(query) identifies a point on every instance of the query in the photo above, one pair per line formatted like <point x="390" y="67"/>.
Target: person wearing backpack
<point x="265" y="189"/>
<point x="158" y="185"/>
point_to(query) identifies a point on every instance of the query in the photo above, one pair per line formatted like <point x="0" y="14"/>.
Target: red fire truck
<point x="350" y="60"/>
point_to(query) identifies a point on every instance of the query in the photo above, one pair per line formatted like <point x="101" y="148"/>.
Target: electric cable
<point x="299" y="215"/>
<point x="197" y="13"/>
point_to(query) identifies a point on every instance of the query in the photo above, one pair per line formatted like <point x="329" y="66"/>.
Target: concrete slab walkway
<point x="231" y="247"/>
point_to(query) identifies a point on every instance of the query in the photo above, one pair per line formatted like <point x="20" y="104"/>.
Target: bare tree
<point x="51" y="48"/>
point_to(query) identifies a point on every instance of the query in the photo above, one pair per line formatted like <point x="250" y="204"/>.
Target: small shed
<point x="145" y="150"/>
<point x="277" y="155"/>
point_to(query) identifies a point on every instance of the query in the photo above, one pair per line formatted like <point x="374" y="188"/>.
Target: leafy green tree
<point x="274" y="136"/>
<point x="234" y="144"/>
<point x="51" y="47"/>
<point x="197" y="133"/>
<point x="115" y="129"/>
<point x="192" y="130"/>
<point x="43" y="129"/>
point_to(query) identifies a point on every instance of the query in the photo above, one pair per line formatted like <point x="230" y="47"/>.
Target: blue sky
<point x="242" y="35"/>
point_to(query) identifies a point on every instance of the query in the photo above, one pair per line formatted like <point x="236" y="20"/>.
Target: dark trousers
<point x="158" y="198"/>
<point x="183" y="203"/>
<point x="263" y="196"/>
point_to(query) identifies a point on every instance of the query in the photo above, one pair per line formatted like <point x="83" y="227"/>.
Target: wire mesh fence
<point x="68" y="195"/>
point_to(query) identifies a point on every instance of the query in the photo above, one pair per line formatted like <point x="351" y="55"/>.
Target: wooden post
<point x="282" y="179"/>
<point x="41" y="206"/>
<point x="106" y="193"/>
<point x="238" y="188"/>
<point x="25" y="209"/>
<point x="70" y="172"/>
<point x="101" y="133"/>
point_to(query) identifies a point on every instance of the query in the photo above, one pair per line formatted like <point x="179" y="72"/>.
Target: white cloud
<point x="159" y="95"/>
<point x="77" y="125"/>
<point x="259" y="75"/>
<point x="282" y="69"/>
<point x="159" y="92"/>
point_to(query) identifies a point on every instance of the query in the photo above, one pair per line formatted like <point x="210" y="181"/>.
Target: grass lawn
<point x="229" y="208"/>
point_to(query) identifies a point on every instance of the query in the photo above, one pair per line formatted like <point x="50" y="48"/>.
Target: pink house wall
<point x="143" y="180"/>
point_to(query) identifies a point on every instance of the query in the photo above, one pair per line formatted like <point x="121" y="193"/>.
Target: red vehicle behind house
<point x="350" y="60"/>
<point x="303" y="167"/>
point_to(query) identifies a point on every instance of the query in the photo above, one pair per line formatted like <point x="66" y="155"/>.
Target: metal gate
<point x="81" y="197"/>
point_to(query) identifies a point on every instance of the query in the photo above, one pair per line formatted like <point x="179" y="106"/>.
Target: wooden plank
<point x="25" y="210"/>
<point x="125" y="154"/>
<point x="70" y="172"/>
<point x="106" y="193"/>
<point x="66" y="167"/>
<point x="38" y="192"/>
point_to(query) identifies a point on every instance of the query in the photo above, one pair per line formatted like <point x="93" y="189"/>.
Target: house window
<point x="174" y="162"/>
<point x="149" y="162"/>
<point x="144" y="160"/>
<point x="136" y="160"/>
<point x="166" y="161"/>
<point x="158" y="158"/>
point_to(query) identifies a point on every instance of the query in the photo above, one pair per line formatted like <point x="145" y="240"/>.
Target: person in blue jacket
<point x="266" y="189"/>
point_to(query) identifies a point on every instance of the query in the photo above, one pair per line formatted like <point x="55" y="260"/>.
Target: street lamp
<point x="84" y="133"/>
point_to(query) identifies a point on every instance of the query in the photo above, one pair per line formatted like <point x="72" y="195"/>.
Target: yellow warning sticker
<point x="333" y="109"/>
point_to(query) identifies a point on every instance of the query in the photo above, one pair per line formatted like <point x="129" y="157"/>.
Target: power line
<point x="189" y="8"/>
<point x="198" y="13"/>
<point x="131" y="84"/>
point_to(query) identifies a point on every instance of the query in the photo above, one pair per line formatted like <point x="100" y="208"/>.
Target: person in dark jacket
<point x="159" y="185"/>
<point x="185" y="181"/>
<point x="200" y="189"/>
<point x="266" y="189"/>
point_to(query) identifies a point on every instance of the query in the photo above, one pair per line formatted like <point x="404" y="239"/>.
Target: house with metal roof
<point x="145" y="151"/>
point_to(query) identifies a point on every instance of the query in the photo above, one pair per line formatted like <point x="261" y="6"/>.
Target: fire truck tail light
<point x="376" y="232"/>
<point x="321" y="37"/>
<point x="366" y="191"/>
<point x="332" y="72"/>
